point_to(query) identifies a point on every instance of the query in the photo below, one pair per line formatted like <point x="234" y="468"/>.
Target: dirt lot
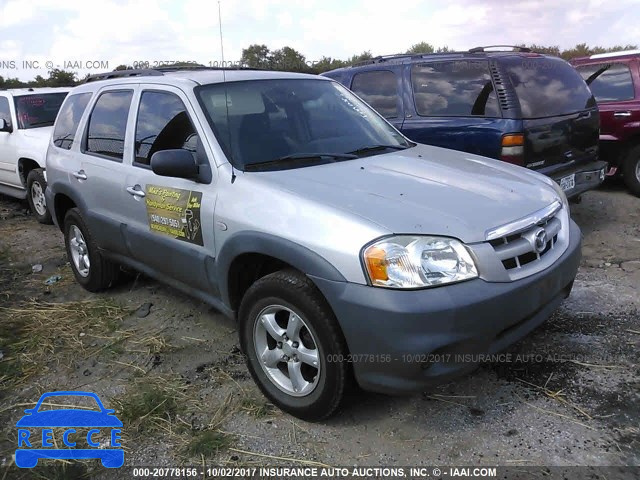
<point x="178" y="382"/>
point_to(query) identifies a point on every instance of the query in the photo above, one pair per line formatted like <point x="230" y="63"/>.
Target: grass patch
<point x="207" y="443"/>
<point x="33" y="333"/>
<point x="152" y="404"/>
<point x="256" y="407"/>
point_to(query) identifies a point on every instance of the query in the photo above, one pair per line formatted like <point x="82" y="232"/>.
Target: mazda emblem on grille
<point x="540" y="240"/>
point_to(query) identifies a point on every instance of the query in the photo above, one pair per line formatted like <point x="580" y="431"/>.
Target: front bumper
<point x="587" y="177"/>
<point x="406" y="341"/>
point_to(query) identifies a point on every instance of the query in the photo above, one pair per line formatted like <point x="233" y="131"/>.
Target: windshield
<point x="38" y="110"/>
<point x="265" y="120"/>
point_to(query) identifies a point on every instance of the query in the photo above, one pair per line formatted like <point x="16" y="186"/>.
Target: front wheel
<point x="631" y="171"/>
<point x="36" y="186"/>
<point x="295" y="350"/>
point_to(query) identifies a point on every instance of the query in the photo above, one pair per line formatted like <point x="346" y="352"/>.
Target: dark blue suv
<point x="519" y="106"/>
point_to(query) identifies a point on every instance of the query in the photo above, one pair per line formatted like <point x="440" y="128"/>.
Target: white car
<point x="26" y="123"/>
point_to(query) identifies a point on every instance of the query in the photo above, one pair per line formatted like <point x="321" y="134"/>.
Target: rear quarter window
<point x="454" y="88"/>
<point x="68" y="120"/>
<point x="609" y="82"/>
<point x="547" y="87"/>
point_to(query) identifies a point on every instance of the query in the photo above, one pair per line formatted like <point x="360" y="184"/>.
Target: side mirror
<point x="4" y="126"/>
<point x="174" y="163"/>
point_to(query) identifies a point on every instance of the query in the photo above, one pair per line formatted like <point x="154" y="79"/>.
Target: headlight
<point x="406" y="261"/>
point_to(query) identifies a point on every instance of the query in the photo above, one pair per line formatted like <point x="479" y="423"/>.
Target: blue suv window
<point x="455" y="88"/>
<point x="69" y="119"/>
<point x="548" y="87"/>
<point x="379" y="89"/>
<point x="108" y="124"/>
<point x="609" y="82"/>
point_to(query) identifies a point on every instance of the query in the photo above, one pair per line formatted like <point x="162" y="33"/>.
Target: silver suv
<point x="348" y="254"/>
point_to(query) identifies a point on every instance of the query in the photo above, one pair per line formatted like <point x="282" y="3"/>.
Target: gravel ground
<point x="572" y="399"/>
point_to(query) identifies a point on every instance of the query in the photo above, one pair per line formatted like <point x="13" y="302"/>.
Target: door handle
<point x="135" y="191"/>
<point x="80" y="175"/>
<point x="622" y="114"/>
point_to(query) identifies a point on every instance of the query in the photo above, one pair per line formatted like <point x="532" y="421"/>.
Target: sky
<point x="113" y="32"/>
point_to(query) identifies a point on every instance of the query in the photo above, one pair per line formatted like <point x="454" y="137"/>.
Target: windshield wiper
<point x="374" y="148"/>
<point x="300" y="156"/>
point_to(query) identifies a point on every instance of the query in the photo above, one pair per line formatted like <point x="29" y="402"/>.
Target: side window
<point x="609" y="82"/>
<point x="457" y="88"/>
<point x="5" y="113"/>
<point x="379" y="89"/>
<point x="108" y="124"/>
<point x="68" y="119"/>
<point x="163" y="124"/>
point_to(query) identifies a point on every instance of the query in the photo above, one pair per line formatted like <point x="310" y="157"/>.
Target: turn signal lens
<point x="513" y="140"/>
<point x="376" y="265"/>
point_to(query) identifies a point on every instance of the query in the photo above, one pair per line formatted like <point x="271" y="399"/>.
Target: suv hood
<point x="425" y="190"/>
<point x="38" y="133"/>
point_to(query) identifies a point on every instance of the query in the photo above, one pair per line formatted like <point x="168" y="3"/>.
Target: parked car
<point x="518" y="106"/>
<point x="26" y="122"/>
<point x="343" y="249"/>
<point x="614" y="79"/>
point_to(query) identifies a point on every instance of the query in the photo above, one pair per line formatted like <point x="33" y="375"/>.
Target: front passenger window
<point x="5" y="113"/>
<point x="163" y="124"/>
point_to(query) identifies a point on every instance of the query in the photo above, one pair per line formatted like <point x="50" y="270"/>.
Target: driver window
<point x="163" y="124"/>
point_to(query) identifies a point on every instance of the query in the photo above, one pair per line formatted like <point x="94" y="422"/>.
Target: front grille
<point x="520" y="249"/>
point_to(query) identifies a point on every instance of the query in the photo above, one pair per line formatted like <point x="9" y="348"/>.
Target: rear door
<point x="169" y="225"/>
<point x="612" y="85"/>
<point x="8" y="148"/>
<point x="453" y="104"/>
<point x="559" y="113"/>
<point x="101" y="175"/>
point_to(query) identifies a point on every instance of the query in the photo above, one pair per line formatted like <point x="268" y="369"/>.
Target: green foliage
<point x="208" y="443"/>
<point x="422" y="47"/>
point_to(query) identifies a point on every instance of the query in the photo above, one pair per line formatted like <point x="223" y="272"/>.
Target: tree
<point x="61" y="78"/>
<point x="289" y="60"/>
<point x="327" y="63"/>
<point x="422" y="47"/>
<point x="256" y="56"/>
<point x="366" y="55"/>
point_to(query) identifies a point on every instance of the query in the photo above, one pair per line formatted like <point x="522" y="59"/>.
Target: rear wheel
<point x="295" y="350"/>
<point x="36" y="186"/>
<point x="91" y="269"/>
<point x="631" y="171"/>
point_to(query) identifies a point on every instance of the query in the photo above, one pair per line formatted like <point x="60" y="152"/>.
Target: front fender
<point x="299" y="257"/>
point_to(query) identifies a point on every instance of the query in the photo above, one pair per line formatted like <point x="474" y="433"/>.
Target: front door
<point x="170" y="224"/>
<point x="8" y="162"/>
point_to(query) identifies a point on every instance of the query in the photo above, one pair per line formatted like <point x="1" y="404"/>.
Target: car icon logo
<point x="100" y="424"/>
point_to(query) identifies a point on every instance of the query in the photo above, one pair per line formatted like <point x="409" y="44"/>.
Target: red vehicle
<point x="614" y="79"/>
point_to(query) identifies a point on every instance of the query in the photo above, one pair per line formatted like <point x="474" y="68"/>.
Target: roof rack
<point x="619" y="53"/>
<point x="154" y="72"/>
<point x="399" y="56"/>
<point x="515" y="48"/>
<point x="123" y="73"/>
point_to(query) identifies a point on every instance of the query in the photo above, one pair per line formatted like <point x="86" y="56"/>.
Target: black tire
<point x="36" y="186"/>
<point x="631" y="171"/>
<point x="294" y="291"/>
<point x="101" y="273"/>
